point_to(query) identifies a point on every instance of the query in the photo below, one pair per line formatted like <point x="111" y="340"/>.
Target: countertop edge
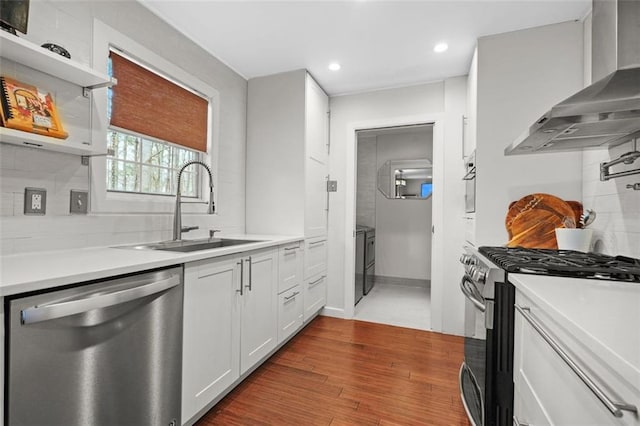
<point x="58" y="268"/>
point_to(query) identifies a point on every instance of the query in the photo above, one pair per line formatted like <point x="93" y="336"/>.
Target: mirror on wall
<point x="406" y="179"/>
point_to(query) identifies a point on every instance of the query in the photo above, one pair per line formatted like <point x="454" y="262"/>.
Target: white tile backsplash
<point x="617" y="224"/>
<point x="70" y="24"/>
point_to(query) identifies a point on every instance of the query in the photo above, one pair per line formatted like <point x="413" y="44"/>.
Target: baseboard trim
<point x="409" y="282"/>
<point x="328" y="311"/>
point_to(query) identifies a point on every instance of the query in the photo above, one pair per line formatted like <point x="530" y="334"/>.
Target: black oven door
<point x="472" y="378"/>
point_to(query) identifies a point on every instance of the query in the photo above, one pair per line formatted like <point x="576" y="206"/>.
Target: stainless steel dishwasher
<point x="101" y="353"/>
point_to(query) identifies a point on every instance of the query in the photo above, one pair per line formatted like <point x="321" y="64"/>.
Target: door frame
<point x="437" y="243"/>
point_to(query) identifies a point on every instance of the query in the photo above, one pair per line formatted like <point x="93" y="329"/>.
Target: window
<point x="138" y="164"/>
<point x="147" y="112"/>
<point x="137" y="151"/>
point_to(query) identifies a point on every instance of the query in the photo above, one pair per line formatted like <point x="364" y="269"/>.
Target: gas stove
<point x="564" y="263"/>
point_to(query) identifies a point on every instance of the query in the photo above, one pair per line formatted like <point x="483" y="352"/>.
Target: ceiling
<point x="379" y="44"/>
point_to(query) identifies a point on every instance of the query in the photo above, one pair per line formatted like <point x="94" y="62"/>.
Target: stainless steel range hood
<point x="606" y="113"/>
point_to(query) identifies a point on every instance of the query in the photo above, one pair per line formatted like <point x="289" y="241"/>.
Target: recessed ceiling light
<point x="334" y="66"/>
<point x="440" y="47"/>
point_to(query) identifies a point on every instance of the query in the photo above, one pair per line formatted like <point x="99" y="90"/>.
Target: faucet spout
<point x="177" y="214"/>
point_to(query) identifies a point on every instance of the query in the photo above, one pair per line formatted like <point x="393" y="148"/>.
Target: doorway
<point x="393" y="210"/>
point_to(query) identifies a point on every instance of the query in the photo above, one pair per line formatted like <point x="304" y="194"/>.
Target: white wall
<point x="403" y="227"/>
<point x="521" y="75"/>
<point x="617" y="226"/>
<point x="443" y="102"/>
<point x="366" y="181"/>
<point x="70" y="24"/>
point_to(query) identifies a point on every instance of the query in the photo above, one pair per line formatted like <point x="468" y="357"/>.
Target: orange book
<point x="26" y="108"/>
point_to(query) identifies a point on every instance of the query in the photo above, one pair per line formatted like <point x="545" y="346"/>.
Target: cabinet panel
<point x="211" y="332"/>
<point x="316" y="199"/>
<point x="315" y="257"/>
<point x="290" y="308"/>
<point x="290" y="266"/>
<point x="562" y="396"/>
<point x="315" y="295"/>
<point x="527" y="407"/>
<point x="317" y="121"/>
<point x="259" y="308"/>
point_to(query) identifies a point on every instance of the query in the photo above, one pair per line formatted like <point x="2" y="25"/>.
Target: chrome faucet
<point x="177" y="215"/>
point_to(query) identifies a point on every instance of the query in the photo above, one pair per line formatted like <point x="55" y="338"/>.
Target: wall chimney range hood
<point x="606" y="113"/>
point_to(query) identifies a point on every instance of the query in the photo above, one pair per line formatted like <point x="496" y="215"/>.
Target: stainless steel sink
<point x="191" y="245"/>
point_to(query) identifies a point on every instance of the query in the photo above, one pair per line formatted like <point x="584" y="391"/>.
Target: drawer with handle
<point x="290" y="306"/>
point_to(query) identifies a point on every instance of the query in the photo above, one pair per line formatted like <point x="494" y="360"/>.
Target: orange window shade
<point x="147" y="103"/>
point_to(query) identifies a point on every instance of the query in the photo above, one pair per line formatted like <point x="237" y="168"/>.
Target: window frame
<point x="104" y="201"/>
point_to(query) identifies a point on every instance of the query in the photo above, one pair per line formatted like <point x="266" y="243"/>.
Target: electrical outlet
<point x="35" y="201"/>
<point x="79" y="202"/>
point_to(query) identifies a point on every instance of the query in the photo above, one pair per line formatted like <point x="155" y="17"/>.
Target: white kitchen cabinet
<point x="315" y="257"/>
<point x="547" y="391"/>
<point x="211" y="331"/>
<point x="290" y="307"/>
<point x="290" y="266"/>
<point x="506" y="95"/>
<point x="259" y="333"/>
<point x="287" y="155"/>
<point x="315" y="295"/>
<point x="230" y="323"/>
<point x="316" y="121"/>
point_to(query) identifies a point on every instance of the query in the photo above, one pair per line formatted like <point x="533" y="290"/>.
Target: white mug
<point x="578" y="239"/>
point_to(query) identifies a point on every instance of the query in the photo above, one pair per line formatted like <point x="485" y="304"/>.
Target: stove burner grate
<point x="565" y="263"/>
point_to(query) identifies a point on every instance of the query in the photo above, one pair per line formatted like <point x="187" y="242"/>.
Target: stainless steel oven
<point x="486" y="374"/>
<point x="470" y="184"/>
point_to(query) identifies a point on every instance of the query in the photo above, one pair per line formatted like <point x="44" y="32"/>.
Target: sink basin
<point x="191" y="245"/>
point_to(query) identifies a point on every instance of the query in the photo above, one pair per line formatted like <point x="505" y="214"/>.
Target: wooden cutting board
<point x="577" y="208"/>
<point x="532" y="220"/>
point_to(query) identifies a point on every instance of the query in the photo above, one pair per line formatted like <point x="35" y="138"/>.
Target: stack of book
<point x="26" y="108"/>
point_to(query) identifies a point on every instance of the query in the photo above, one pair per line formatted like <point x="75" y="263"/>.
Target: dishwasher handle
<point x="41" y="313"/>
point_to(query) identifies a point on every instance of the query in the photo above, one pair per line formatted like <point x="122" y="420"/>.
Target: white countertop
<point x="20" y="273"/>
<point x="603" y="315"/>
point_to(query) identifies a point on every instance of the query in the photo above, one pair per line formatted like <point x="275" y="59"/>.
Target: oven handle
<point x="465" y="369"/>
<point x="615" y="407"/>
<point x="469" y="293"/>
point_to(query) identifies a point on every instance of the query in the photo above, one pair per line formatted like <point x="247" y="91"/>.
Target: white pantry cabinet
<point x="546" y="390"/>
<point x="230" y="323"/>
<point x="287" y="155"/>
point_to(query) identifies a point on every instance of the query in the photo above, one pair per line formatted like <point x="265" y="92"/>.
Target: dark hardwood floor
<point x="343" y="372"/>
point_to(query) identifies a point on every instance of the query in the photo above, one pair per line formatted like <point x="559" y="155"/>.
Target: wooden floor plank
<point x="343" y="372"/>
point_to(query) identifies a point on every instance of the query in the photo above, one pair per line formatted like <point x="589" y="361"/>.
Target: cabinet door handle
<point x="615" y="407"/>
<point x="290" y="250"/>
<point x="288" y="298"/>
<point x="241" y="263"/>
<point x="316" y="242"/>
<point x="250" y="274"/>
<point x="311" y="284"/>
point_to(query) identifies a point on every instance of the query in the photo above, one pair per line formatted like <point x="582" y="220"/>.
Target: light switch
<point x="79" y="202"/>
